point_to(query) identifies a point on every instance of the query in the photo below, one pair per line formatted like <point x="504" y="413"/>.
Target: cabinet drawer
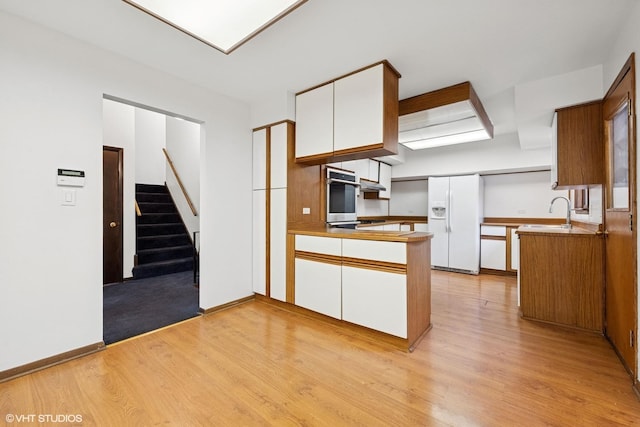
<point x="375" y="250"/>
<point x="319" y="245"/>
<point x="493" y="230"/>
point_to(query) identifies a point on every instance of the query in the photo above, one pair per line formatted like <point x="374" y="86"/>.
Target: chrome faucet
<point x="568" y="223"/>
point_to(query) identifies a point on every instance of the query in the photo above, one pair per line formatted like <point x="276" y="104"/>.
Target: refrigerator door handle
<point x="449" y="210"/>
<point x="447" y="225"/>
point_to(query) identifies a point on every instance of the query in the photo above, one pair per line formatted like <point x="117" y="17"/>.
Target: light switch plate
<point x="306" y="211"/>
<point x="67" y="197"/>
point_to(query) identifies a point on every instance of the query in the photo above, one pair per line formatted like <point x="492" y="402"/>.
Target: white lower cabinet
<point x="360" y="295"/>
<point x="318" y="287"/>
<point x="375" y="299"/>
<point x="493" y="254"/>
<point x="493" y="247"/>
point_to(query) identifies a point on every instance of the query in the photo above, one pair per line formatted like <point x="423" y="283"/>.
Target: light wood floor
<point x="256" y="364"/>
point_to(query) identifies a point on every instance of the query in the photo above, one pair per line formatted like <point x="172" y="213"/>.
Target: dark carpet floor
<point x="137" y="306"/>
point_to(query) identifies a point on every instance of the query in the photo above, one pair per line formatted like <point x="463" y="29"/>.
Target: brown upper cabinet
<point x="578" y="148"/>
<point x="352" y="117"/>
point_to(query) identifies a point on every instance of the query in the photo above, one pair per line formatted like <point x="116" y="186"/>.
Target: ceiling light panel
<point x="222" y="24"/>
<point x="438" y="115"/>
<point x="452" y="139"/>
<point x="465" y="125"/>
<point x="452" y="115"/>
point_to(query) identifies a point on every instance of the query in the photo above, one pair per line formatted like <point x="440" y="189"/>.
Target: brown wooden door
<point x="620" y="216"/>
<point x="112" y="215"/>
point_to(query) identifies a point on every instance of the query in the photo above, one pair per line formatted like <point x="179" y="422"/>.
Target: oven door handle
<point x="342" y="181"/>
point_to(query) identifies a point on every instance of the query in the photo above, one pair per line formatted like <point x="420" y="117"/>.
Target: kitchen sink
<point x="544" y="226"/>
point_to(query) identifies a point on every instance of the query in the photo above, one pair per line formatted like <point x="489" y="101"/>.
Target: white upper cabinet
<point x="363" y="168"/>
<point x="260" y="159"/>
<point x="358" y="109"/>
<point x="314" y="122"/>
<point x="279" y="156"/>
<point x="352" y="117"/>
<point x="385" y="180"/>
<point x="374" y="170"/>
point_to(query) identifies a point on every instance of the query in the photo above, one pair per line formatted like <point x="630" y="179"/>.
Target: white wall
<point x="510" y="195"/>
<point x="627" y="42"/>
<point x="52" y="90"/>
<point x="502" y="154"/>
<point x="372" y="207"/>
<point x="521" y="195"/>
<point x="150" y="140"/>
<point x="183" y="146"/>
<point x="274" y="108"/>
<point x="409" y="198"/>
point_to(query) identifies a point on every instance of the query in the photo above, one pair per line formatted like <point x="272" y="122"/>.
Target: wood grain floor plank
<point x="257" y="364"/>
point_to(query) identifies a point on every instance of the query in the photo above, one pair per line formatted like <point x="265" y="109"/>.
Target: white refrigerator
<point x="455" y="213"/>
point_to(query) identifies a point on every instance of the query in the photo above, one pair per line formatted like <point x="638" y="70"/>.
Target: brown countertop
<point x="502" y="224"/>
<point x="556" y="231"/>
<point x="345" y="233"/>
<point x="396" y="219"/>
<point x="373" y="224"/>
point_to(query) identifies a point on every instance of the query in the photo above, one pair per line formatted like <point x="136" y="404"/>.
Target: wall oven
<point x="342" y="196"/>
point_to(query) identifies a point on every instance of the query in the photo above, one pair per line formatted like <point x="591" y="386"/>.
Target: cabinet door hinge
<point x="631" y="340"/>
<point x="631" y="221"/>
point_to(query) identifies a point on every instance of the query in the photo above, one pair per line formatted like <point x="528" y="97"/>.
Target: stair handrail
<point x="138" y="211"/>
<point x="184" y="190"/>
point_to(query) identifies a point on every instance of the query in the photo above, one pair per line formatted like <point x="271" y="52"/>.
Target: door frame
<point x="120" y="152"/>
<point x="627" y="69"/>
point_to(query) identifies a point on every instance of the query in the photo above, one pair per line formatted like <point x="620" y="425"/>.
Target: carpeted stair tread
<point x="163" y="267"/>
<point x="162" y="254"/>
<point x="150" y="242"/>
<point x="157" y="207"/>
<point x="150" y="188"/>
<point x="153" y="198"/>
<point x="159" y="218"/>
<point x="147" y="230"/>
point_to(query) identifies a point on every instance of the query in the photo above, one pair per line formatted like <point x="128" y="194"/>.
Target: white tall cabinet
<point x="259" y="208"/>
<point x="270" y="150"/>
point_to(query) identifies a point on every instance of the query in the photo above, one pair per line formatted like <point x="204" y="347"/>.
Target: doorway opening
<point x="158" y="192"/>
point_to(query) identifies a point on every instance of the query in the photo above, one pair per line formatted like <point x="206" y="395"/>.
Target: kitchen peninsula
<point x="377" y="283"/>
<point x="379" y="280"/>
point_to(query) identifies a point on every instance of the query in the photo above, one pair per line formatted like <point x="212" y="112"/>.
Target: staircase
<point x="163" y="245"/>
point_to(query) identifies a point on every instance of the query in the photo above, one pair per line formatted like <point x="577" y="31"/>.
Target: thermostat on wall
<point x="70" y="178"/>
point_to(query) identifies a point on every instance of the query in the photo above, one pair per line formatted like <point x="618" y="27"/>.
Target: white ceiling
<point x="495" y="44"/>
